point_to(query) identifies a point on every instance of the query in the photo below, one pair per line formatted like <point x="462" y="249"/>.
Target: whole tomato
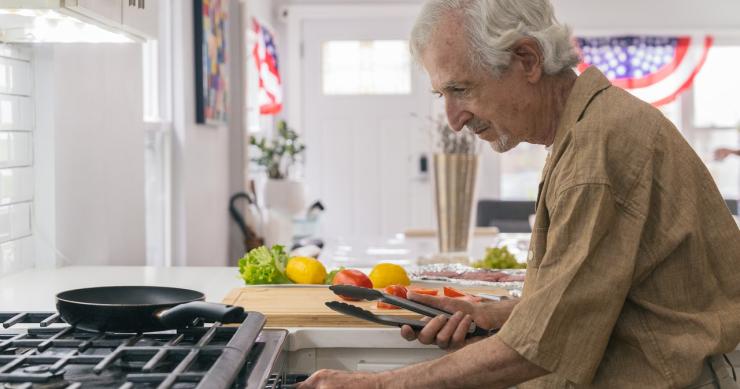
<point x="352" y="277"/>
<point x="396" y="290"/>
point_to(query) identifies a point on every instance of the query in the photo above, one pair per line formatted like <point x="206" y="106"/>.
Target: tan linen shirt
<point x="634" y="270"/>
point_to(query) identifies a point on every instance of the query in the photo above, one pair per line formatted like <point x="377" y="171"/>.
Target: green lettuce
<point x="264" y="266"/>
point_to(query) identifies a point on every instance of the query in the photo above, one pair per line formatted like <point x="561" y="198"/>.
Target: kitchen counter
<point x="34" y="290"/>
<point x="309" y="348"/>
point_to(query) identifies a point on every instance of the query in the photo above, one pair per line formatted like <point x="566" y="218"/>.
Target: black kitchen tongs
<point x="373" y="295"/>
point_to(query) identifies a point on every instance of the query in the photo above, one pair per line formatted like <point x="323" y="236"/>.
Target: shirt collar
<point x="587" y="85"/>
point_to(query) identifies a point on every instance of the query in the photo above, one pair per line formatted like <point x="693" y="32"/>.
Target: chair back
<point x="508" y="216"/>
<point x="732" y="204"/>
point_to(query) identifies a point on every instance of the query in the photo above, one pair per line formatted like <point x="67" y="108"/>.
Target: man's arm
<point x="489" y="363"/>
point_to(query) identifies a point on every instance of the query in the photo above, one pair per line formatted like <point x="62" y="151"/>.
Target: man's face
<point x="493" y="108"/>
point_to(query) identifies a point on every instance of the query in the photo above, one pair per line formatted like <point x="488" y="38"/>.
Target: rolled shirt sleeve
<point x="576" y="284"/>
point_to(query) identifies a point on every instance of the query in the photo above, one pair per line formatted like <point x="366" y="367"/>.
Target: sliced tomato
<point x="395" y="290"/>
<point x="431" y="292"/>
<point x="382" y="305"/>
<point x="452" y="292"/>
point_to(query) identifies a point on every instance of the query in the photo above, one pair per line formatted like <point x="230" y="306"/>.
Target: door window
<point x="376" y="67"/>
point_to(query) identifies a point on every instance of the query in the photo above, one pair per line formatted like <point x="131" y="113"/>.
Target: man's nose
<point x="456" y="115"/>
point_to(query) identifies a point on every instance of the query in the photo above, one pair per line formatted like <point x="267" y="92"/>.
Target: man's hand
<point x="450" y="333"/>
<point x="331" y="379"/>
<point x="723" y="153"/>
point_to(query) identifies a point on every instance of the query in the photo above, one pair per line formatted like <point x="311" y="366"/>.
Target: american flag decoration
<point x="270" y="94"/>
<point x="655" y="69"/>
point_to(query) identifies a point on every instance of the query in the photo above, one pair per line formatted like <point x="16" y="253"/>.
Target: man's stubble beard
<point x="503" y="143"/>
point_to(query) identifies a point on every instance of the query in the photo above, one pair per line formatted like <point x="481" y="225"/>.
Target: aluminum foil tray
<point x="418" y="274"/>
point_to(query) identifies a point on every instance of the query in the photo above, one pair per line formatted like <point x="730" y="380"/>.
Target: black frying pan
<point x="134" y="309"/>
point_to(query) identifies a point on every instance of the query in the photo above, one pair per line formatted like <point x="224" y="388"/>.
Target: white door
<point x="363" y="150"/>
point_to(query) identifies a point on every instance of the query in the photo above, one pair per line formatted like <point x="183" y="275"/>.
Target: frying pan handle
<point x="181" y="315"/>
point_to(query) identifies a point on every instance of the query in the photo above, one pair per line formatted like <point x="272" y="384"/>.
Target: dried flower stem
<point x="450" y="142"/>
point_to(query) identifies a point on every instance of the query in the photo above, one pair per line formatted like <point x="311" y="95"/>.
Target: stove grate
<point x="49" y="354"/>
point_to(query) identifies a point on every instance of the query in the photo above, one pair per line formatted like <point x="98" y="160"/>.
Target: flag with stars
<point x="270" y="94"/>
<point x="654" y="68"/>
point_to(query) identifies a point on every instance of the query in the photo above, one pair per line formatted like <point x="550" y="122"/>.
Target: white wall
<point x="90" y="117"/>
<point x="262" y="10"/>
<point x="202" y="178"/>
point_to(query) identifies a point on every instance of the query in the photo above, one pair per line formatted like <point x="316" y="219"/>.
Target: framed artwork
<point x="210" y="61"/>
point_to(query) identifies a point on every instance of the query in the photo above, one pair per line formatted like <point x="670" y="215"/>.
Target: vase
<point x="454" y="189"/>
<point x="285" y="196"/>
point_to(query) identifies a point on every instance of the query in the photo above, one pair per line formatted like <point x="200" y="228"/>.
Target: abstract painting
<point x="210" y="25"/>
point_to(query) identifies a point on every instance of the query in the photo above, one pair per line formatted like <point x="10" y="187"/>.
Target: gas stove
<point x="38" y="350"/>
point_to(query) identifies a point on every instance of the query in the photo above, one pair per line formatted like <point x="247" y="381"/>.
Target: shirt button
<point x="530" y="255"/>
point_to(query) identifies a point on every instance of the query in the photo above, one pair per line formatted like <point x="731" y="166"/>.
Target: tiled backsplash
<point x="15" y="221"/>
<point x="16" y="159"/>
<point x="15" y="148"/>
<point x="16" y="185"/>
<point x="16" y="112"/>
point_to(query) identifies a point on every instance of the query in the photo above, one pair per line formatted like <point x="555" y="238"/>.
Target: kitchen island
<point x="308" y="348"/>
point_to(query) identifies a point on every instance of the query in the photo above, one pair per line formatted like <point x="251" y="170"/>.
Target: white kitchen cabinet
<point x="141" y="21"/>
<point x="106" y="11"/>
<point x="138" y="17"/>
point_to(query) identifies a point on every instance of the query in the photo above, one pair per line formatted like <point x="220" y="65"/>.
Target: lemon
<point x="305" y="270"/>
<point x="384" y="274"/>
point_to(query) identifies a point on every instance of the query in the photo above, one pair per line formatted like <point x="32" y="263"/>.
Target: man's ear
<point x="527" y="51"/>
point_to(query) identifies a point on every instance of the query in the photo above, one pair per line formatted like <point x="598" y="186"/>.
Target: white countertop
<point x="34" y="290"/>
<point x="365" y="252"/>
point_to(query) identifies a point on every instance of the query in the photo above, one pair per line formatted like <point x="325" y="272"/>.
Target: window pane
<point x="520" y="171"/>
<point x="717" y="89"/>
<point x="366" y="68"/>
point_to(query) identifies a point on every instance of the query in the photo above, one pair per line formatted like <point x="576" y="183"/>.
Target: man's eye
<point x="459" y="91"/>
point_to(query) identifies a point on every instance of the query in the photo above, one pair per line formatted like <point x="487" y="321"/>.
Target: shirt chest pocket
<point x="537" y="247"/>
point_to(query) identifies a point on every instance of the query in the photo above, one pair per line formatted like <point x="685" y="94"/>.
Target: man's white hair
<point x="493" y="26"/>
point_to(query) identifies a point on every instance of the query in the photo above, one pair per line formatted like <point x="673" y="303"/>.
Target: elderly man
<point x="633" y="277"/>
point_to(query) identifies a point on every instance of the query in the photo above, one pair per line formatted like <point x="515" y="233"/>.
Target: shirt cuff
<point x="527" y="348"/>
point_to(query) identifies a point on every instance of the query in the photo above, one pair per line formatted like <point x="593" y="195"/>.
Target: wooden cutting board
<point x="303" y="306"/>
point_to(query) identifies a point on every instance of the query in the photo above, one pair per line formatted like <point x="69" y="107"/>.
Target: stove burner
<point x="36" y="369"/>
<point x="50" y="356"/>
<point x="14" y="386"/>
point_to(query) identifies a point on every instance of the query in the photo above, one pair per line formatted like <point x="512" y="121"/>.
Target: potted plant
<point x="278" y="156"/>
